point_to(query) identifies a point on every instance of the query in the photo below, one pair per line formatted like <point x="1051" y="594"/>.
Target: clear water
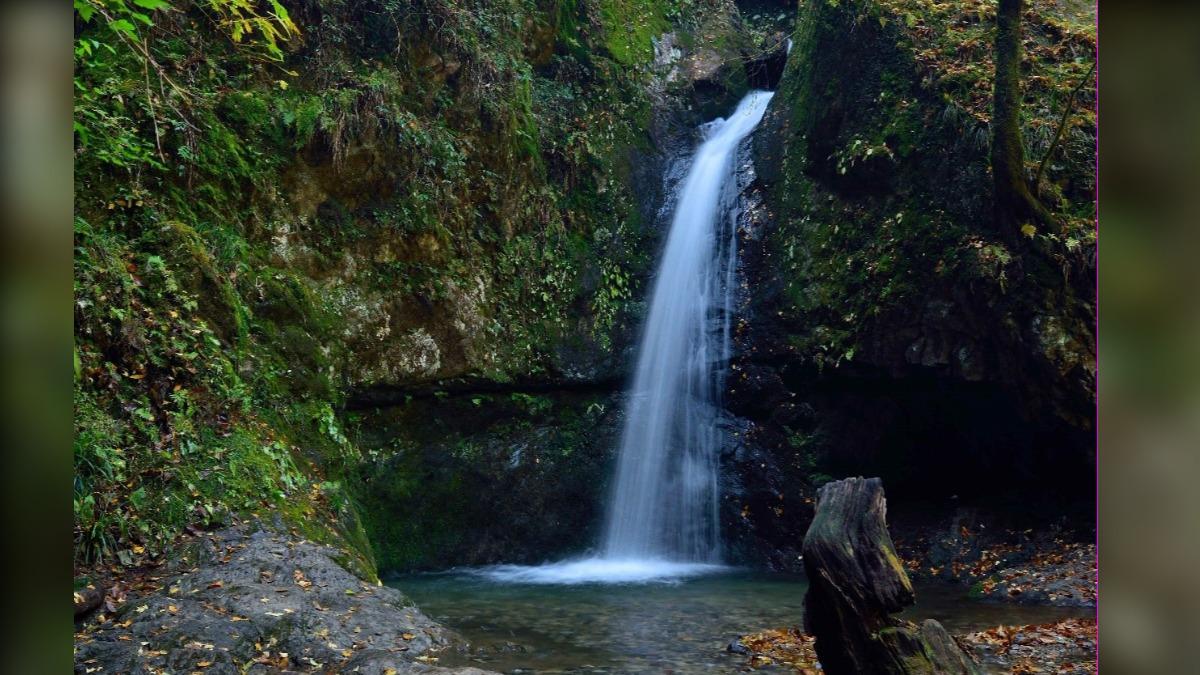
<point x="679" y="627"/>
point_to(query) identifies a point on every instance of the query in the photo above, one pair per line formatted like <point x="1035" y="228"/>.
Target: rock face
<point x="487" y="478"/>
<point x="888" y="329"/>
<point x="477" y="199"/>
<point x="857" y="582"/>
<point x="263" y="602"/>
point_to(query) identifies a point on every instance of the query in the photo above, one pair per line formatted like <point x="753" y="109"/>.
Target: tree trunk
<point x="1015" y="204"/>
<point x="856" y="582"/>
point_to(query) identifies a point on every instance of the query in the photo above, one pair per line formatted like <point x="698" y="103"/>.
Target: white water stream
<point x="663" y="511"/>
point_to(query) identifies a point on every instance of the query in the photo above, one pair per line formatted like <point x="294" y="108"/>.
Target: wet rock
<point x="1029" y="567"/>
<point x="765" y="71"/>
<point x="1067" y="647"/>
<point x="87" y="599"/>
<point x="981" y="366"/>
<point x="262" y="602"/>
<point x="1065" y="577"/>
<point x="515" y="477"/>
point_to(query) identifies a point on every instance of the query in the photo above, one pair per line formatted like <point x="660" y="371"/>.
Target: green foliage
<point x="121" y="87"/>
<point x="457" y="485"/>
<point x="629" y="25"/>
<point x="168" y="433"/>
<point x="953" y="44"/>
<point x="886" y="195"/>
<point x="491" y="155"/>
<point x="241" y="19"/>
<point x="533" y="405"/>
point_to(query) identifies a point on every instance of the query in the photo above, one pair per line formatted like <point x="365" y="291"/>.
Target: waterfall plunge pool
<point x="630" y="610"/>
<point x="680" y="626"/>
<point x="598" y="570"/>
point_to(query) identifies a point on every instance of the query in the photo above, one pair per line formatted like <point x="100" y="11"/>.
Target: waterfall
<point x="663" y="511"/>
<point x="664" y="503"/>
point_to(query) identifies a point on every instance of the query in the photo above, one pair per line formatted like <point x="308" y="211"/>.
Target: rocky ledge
<point x="261" y="602"/>
<point x="1047" y="567"/>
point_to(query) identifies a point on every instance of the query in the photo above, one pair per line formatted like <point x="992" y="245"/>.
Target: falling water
<point x="662" y="519"/>
<point x="664" y="504"/>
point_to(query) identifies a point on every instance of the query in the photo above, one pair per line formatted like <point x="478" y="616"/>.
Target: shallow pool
<point x="679" y="626"/>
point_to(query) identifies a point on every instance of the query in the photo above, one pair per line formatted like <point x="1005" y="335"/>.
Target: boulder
<point x="262" y="601"/>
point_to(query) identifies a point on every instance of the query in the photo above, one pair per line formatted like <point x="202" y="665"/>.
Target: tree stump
<point x="856" y="582"/>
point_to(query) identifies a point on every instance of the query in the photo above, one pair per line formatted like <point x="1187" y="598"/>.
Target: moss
<point x="521" y="481"/>
<point x="220" y="220"/>
<point x="628" y="27"/>
<point x="884" y="192"/>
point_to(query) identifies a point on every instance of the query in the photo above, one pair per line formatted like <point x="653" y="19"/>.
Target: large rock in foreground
<point x="856" y="582"/>
<point x="263" y="603"/>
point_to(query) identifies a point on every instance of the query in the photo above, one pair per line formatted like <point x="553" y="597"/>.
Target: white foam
<point x="598" y="571"/>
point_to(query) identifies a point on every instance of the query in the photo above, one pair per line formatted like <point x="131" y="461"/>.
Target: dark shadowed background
<point x="1149" y="338"/>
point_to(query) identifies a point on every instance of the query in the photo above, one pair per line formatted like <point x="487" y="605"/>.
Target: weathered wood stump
<point x="856" y="582"/>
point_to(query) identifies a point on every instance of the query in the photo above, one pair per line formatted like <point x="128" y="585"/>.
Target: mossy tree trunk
<point x="856" y="582"/>
<point x="1015" y="203"/>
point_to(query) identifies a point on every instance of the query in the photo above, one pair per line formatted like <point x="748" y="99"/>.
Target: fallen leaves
<point x="787" y="647"/>
<point x="301" y="581"/>
<point x="115" y="597"/>
<point x="1067" y="646"/>
<point x="151" y="617"/>
<point x="279" y="660"/>
<point x="1017" y="566"/>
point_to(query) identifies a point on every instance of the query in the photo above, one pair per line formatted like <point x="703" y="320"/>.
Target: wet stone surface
<point x="1024" y="567"/>
<point x="1066" y="647"/>
<point x="262" y="603"/>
